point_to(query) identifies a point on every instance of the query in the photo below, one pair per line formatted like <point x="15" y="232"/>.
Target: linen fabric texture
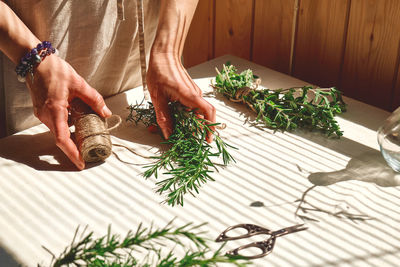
<point x="91" y="37"/>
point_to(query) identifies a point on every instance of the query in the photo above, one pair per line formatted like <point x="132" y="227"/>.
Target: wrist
<point x="164" y="44"/>
<point x="161" y="56"/>
<point x="29" y="62"/>
<point x="159" y="48"/>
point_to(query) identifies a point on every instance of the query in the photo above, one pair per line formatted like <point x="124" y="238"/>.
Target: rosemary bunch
<point x="284" y="109"/>
<point x="188" y="161"/>
<point x="112" y="250"/>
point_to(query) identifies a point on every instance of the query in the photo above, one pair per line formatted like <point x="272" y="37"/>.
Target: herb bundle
<point x="188" y="161"/>
<point x="284" y="109"/>
<point x="112" y="251"/>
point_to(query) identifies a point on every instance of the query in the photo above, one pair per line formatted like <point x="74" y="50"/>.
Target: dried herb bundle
<point x="112" y="251"/>
<point x="188" y="161"/>
<point x="284" y="109"/>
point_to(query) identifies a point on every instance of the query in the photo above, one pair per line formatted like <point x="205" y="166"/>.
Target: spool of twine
<point x="92" y="134"/>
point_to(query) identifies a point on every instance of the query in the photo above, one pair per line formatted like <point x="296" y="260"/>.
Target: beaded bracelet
<point x="32" y="59"/>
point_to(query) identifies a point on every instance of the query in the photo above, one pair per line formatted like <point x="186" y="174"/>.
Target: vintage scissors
<point x="265" y="246"/>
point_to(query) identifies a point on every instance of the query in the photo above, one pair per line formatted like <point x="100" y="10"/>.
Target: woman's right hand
<point x="54" y="85"/>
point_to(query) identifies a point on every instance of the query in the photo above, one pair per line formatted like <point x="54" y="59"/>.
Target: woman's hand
<point x="168" y="81"/>
<point x="54" y="85"/>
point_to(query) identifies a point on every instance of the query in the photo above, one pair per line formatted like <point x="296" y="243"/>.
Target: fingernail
<point x="80" y="165"/>
<point x="166" y="132"/>
<point x="106" y="112"/>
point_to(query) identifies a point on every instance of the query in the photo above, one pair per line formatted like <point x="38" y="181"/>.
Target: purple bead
<point x="34" y="51"/>
<point x="39" y="46"/>
<point x="46" y="44"/>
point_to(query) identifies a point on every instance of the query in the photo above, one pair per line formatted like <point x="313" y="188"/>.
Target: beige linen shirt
<point x="90" y="36"/>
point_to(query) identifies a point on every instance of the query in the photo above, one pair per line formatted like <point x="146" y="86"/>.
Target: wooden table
<point x="341" y="188"/>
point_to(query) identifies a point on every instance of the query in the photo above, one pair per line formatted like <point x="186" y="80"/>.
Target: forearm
<point x="15" y="37"/>
<point x="174" y="21"/>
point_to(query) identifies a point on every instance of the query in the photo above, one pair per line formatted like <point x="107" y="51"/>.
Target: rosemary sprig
<point x="284" y="109"/>
<point x="112" y="250"/>
<point x="188" y="161"/>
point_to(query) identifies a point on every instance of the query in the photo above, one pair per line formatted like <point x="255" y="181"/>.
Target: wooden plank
<point x="320" y="37"/>
<point x="396" y="90"/>
<point x="199" y="41"/>
<point x="273" y="28"/>
<point x="233" y="27"/>
<point x="370" y="61"/>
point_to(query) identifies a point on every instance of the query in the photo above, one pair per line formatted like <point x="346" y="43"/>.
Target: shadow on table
<point x="366" y="164"/>
<point x="369" y="167"/>
<point x="352" y="261"/>
<point x="136" y="133"/>
<point x="7" y="260"/>
<point x="37" y="151"/>
<point x="342" y="145"/>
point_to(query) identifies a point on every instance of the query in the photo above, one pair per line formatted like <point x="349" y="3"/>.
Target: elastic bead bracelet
<point x="32" y="59"/>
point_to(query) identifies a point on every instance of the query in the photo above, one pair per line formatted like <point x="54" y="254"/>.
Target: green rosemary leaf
<point x="187" y="163"/>
<point x="112" y="250"/>
<point x="284" y="109"/>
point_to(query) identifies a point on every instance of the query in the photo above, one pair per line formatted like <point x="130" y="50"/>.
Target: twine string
<point x="133" y="152"/>
<point x="240" y="96"/>
<point x="241" y="93"/>
<point x="92" y="134"/>
<point x="102" y="130"/>
<point x="93" y="137"/>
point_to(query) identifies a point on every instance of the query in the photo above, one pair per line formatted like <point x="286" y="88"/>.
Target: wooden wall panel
<point x="199" y="41"/>
<point x="370" y="62"/>
<point x="396" y="92"/>
<point x="352" y="44"/>
<point x="320" y="37"/>
<point x="273" y="28"/>
<point x="233" y="27"/>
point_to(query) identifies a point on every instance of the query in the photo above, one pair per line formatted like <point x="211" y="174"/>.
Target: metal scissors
<point x="265" y="246"/>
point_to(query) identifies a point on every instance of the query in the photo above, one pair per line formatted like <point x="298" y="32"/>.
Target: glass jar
<point x="389" y="140"/>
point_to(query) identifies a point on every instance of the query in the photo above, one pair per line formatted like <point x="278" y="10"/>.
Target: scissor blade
<point x="289" y="230"/>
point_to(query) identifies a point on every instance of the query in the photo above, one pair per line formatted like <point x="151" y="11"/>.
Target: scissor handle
<point x="251" y="229"/>
<point x="265" y="247"/>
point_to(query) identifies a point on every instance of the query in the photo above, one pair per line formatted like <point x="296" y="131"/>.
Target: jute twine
<point x="92" y="134"/>
<point x="241" y="93"/>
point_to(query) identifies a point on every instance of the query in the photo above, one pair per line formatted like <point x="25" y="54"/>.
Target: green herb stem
<point x="188" y="162"/>
<point x="284" y="109"/>
<point x="112" y="250"/>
